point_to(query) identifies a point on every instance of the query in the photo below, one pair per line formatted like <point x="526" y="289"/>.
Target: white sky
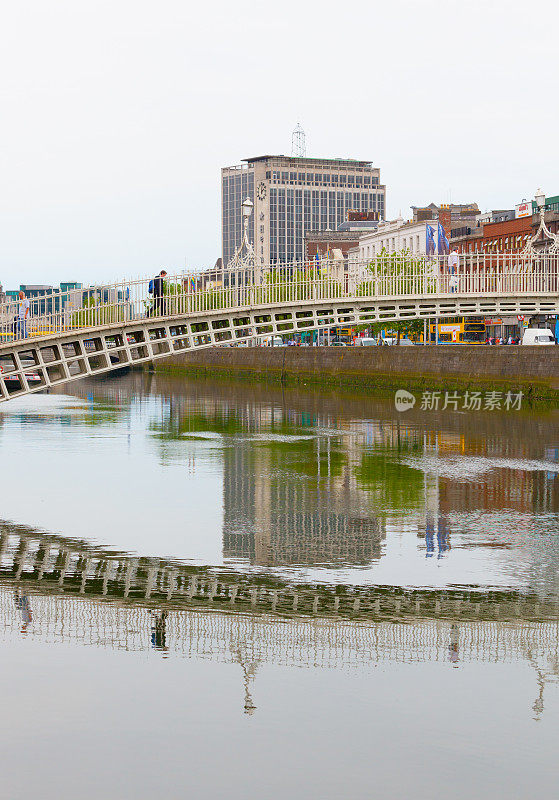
<point x="116" y="115"/>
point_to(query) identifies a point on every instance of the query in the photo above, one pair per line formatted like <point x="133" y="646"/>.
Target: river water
<point x="227" y="590"/>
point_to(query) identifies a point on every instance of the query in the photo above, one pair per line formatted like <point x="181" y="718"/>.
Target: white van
<point x="538" y="336"/>
<point x="367" y="341"/>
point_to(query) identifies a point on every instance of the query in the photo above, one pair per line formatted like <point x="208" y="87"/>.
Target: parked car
<point x="393" y="340"/>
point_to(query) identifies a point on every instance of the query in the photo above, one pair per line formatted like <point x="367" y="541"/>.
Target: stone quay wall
<point x="535" y="369"/>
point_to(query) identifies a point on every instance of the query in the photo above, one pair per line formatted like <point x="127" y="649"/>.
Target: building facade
<point x="393" y="237"/>
<point x="291" y="197"/>
<point x="447" y="213"/>
<point x="507" y="236"/>
<point x="322" y="243"/>
<point x="346" y="237"/>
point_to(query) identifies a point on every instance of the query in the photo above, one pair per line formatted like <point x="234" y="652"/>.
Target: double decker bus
<point x="460" y="330"/>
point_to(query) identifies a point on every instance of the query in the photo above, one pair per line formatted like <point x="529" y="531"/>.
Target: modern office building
<point x="291" y="197"/>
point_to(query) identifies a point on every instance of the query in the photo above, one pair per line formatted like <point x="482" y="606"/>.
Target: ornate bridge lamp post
<point x="244" y="259"/>
<point x="546" y="258"/>
<point x="553" y="237"/>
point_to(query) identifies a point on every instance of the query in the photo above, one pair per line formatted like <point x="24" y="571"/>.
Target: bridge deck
<point x="119" y="332"/>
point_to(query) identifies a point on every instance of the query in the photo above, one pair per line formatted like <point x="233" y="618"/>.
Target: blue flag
<point x="444" y="246"/>
<point x="430" y="240"/>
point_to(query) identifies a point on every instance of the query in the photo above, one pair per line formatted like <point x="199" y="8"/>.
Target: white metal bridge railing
<point x="396" y="275"/>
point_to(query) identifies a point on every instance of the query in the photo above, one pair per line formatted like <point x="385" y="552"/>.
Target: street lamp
<point x="540" y="200"/>
<point x="247" y="206"/>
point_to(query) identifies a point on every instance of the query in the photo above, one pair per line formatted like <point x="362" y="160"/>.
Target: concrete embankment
<point x="534" y="370"/>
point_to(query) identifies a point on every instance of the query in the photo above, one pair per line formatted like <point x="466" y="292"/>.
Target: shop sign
<point x="523" y="210"/>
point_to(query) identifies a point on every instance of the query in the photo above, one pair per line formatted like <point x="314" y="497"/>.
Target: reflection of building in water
<point x="502" y="488"/>
<point x="437" y="536"/>
<point x="239" y="500"/>
<point x="332" y="520"/>
<point x="276" y="517"/>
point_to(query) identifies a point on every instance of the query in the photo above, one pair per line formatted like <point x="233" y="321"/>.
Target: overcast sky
<point x="116" y="115"/>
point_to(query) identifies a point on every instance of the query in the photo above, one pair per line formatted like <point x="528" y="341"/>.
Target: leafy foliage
<point x="399" y="272"/>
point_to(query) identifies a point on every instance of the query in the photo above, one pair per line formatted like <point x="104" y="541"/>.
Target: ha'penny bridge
<point x="120" y="325"/>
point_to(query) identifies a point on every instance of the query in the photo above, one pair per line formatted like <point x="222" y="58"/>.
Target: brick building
<point x="508" y="236"/>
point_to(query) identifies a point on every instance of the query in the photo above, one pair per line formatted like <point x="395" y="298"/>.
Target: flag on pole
<point x="429" y="240"/>
<point x="444" y="245"/>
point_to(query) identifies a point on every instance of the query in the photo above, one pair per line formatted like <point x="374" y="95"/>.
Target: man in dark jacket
<point x="158" y="309"/>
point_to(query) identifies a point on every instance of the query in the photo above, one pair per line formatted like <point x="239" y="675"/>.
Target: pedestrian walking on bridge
<point x="23" y="313"/>
<point x="157" y="288"/>
<point x="453" y="262"/>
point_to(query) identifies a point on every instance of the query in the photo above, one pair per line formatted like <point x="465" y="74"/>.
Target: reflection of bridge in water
<point x="298" y="641"/>
<point x="50" y="564"/>
<point x="64" y="590"/>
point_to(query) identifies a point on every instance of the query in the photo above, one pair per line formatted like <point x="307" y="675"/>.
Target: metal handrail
<point x="386" y="276"/>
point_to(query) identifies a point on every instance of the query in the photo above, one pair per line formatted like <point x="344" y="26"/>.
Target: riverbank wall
<point x="533" y="370"/>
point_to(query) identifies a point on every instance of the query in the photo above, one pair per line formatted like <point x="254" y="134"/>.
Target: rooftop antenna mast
<point x="298" y="143"/>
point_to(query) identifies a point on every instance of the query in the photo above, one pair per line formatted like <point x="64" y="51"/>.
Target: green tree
<point x="399" y="272"/>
